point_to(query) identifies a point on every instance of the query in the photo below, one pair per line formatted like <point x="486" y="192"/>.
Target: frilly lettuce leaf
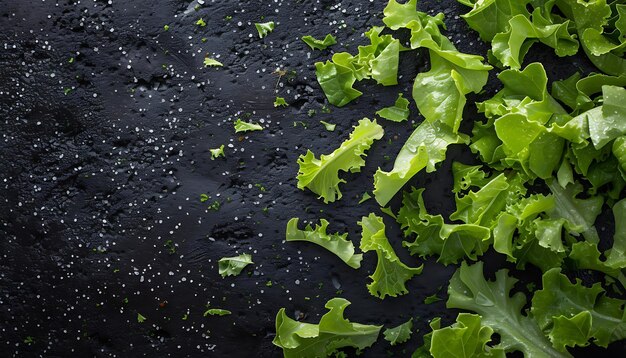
<point x="467" y="337"/>
<point x="425" y="148"/>
<point x="450" y="242"/>
<point x="399" y="334"/>
<point x="586" y="256"/>
<point x="321" y="176"/>
<point x="306" y="340"/>
<point x="579" y="214"/>
<point x="335" y="243"/>
<point x="501" y="312"/>
<point x="571" y="331"/>
<point x="399" y="112"/>
<point x="391" y="274"/>
<point x="559" y="297"/>
<point x="468" y="176"/>
<point x="378" y="61"/>
<point x="590" y="18"/>
<point x="316" y="44"/>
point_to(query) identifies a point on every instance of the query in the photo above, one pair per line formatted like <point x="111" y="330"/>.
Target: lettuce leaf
<point x="399" y="112"/>
<point x="391" y="274"/>
<point x="264" y="28"/>
<point x="335" y="243"/>
<point x="586" y="256"/>
<point x="467" y="337"/>
<point x="399" y="334"/>
<point x="316" y="44"/>
<point x="510" y="47"/>
<point x="501" y="312"/>
<point x="491" y="17"/>
<point x="232" y="266"/>
<point x="337" y="82"/>
<point x="425" y="148"/>
<point x="306" y="340"/>
<point x="378" y="61"/>
<point x="241" y="126"/>
<point x="450" y="242"/>
<point x="559" y="297"/>
<point x="579" y="214"/>
<point x="321" y="176"/>
<point x="616" y="257"/>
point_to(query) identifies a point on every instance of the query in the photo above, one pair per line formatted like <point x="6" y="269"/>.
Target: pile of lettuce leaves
<point x="553" y="159"/>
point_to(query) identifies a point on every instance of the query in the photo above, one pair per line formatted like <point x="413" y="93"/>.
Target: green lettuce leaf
<point x="264" y="28"/>
<point x="306" y="340"/>
<point x="501" y="312"/>
<point x="399" y="112"/>
<point x="337" y="82"/>
<point x="616" y="258"/>
<point x="559" y="297"/>
<point x="510" y="47"/>
<point x="450" y="242"/>
<point x="491" y="17"/>
<point x="579" y="214"/>
<point x="241" y="126"/>
<point x="425" y="148"/>
<point x="611" y="124"/>
<point x="571" y="331"/>
<point x="216" y="312"/>
<point x="590" y="18"/>
<point x="467" y="337"/>
<point x="217" y="152"/>
<point x="316" y="44"/>
<point x="467" y="176"/>
<point x="321" y="176"/>
<point x="586" y="256"/>
<point x="391" y="274"/>
<point x="399" y="334"/>
<point x="378" y="61"/>
<point x="232" y="266"/>
<point x="335" y="243"/>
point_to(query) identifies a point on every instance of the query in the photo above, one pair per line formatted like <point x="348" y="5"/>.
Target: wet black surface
<point x="106" y="122"/>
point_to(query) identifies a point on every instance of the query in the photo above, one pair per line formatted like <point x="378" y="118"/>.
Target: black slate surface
<point x="104" y="159"/>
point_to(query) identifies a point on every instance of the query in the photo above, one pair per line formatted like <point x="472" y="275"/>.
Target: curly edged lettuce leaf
<point x="439" y="93"/>
<point x="378" y="61"/>
<point x="449" y="242"/>
<point x="514" y="26"/>
<point x="391" y="274"/>
<point x="591" y="18"/>
<point x="425" y="148"/>
<point x="579" y="214"/>
<point x="469" y="290"/>
<point x="306" y="340"/>
<point x="467" y="337"/>
<point x="336" y="243"/>
<point x="562" y="307"/>
<point x="321" y="176"/>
